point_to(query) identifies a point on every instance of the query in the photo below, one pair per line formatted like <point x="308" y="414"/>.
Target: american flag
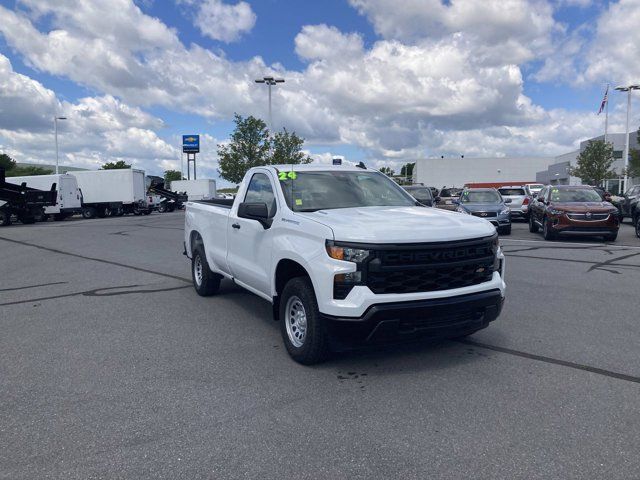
<point x="605" y="99"/>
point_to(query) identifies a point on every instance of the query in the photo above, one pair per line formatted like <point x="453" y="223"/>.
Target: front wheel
<point x="303" y="330"/>
<point x="88" y="212"/>
<point x="205" y="281"/>
<point x="547" y="231"/>
<point x="533" y="226"/>
<point x="5" y="218"/>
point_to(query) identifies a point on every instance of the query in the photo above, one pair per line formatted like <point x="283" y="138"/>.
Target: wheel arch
<point x="285" y="270"/>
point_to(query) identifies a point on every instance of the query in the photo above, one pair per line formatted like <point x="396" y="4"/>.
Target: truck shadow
<point x="410" y="355"/>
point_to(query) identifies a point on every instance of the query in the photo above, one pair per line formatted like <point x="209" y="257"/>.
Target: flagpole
<point x="606" y="118"/>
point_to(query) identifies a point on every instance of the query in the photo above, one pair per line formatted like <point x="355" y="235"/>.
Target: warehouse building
<point x="559" y="173"/>
<point x="458" y="171"/>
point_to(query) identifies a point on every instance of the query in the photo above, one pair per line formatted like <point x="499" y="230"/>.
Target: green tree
<point x="249" y="147"/>
<point x="28" y="170"/>
<point x="387" y="171"/>
<point x="120" y="164"/>
<point x="634" y="161"/>
<point x="286" y="148"/>
<point x="407" y="170"/>
<point x="7" y="162"/>
<point x="594" y="163"/>
<point x="252" y="146"/>
<point x="171" y="175"/>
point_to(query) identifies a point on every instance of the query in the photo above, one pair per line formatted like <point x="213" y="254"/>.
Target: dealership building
<point x="458" y="171"/>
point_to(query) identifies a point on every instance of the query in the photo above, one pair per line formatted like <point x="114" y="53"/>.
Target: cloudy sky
<point x="383" y="81"/>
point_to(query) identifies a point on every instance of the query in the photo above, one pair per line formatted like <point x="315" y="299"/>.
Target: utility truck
<point x="112" y="192"/>
<point x="26" y="203"/>
<point x="345" y="255"/>
<point x="68" y="200"/>
<point x="203" y="189"/>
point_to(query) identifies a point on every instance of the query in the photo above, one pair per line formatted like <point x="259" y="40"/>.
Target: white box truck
<point x="203" y="189"/>
<point x="112" y="192"/>
<point x="68" y="200"/>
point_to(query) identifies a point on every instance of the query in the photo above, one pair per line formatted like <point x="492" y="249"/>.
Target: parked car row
<point x="555" y="210"/>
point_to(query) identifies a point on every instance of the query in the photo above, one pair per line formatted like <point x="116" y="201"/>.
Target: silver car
<point x="519" y="205"/>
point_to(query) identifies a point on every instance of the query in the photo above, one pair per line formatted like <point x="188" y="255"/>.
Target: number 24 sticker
<point x="287" y="175"/>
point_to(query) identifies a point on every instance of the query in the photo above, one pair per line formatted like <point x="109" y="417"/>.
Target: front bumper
<point x="433" y="318"/>
<point x="564" y="225"/>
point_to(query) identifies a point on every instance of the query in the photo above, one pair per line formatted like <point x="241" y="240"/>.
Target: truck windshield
<point x="324" y="190"/>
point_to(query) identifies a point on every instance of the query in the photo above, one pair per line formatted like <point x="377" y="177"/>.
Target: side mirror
<point x="507" y="200"/>
<point x="255" y="211"/>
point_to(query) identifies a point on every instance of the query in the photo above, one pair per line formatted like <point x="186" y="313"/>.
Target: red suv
<point x="573" y="210"/>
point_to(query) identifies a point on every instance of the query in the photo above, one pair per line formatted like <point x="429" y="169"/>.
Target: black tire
<point x="611" y="238"/>
<point x="27" y="219"/>
<point x="5" y="218"/>
<point x="205" y="281"/>
<point x="312" y="346"/>
<point x="547" y="232"/>
<point x="40" y="216"/>
<point x="119" y="212"/>
<point x="533" y="226"/>
<point x="162" y="208"/>
<point x="58" y="217"/>
<point x="147" y="211"/>
<point x="504" y="230"/>
<point x="638" y="227"/>
<point x="88" y="212"/>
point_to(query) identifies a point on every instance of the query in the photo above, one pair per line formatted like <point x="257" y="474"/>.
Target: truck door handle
<point x="236" y="226"/>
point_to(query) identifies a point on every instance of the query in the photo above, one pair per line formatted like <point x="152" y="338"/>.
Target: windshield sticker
<point x="287" y="176"/>
<point x="298" y="202"/>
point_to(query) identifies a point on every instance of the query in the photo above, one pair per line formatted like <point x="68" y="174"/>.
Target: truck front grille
<point x="430" y="267"/>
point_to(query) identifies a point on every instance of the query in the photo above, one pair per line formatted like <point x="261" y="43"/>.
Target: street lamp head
<point x="634" y="87"/>
<point x="61" y="118"/>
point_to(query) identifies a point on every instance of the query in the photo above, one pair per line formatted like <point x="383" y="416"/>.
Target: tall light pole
<point x="626" y="139"/>
<point x="270" y="82"/>
<point x="55" y="129"/>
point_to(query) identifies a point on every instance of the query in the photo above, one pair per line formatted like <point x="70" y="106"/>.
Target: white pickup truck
<point x="344" y="254"/>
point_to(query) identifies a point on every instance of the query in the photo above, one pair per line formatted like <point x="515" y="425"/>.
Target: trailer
<point x="112" y="192"/>
<point x="26" y="203"/>
<point x="68" y="200"/>
<point x="203" y="189"/>
<point x="164" y="200"/>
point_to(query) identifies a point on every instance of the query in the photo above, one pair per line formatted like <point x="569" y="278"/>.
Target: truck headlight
<point x="348" y="254"/>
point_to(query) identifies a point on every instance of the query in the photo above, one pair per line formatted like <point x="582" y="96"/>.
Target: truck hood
<point x="400" y="224"/>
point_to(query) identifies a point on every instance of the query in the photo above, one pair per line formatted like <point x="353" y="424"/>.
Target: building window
<point x="617" y="154"/>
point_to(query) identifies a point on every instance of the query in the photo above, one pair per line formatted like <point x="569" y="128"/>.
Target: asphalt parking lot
<point x="112" y="367"/>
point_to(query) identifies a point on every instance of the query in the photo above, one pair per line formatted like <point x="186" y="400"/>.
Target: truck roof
<point x="311" y="167"/>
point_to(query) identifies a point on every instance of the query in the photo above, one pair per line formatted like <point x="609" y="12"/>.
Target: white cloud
<point x="225" y="22"/>
<point x="615" y="53"/>
<point x="443" y="78"/>
<point x="97" y="129"/>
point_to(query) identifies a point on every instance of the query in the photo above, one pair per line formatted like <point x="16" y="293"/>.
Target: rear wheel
<point x="533" y="226"/>
<point x="88" y="212"/>
<point x="303" y="330"/>
<point x="5" y="218"/>
<point x="205" y="281"/>
<point x="547" y="231"/>
<point x="162" y="208"/>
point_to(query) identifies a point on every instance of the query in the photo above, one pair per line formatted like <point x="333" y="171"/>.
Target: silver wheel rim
<point x="197" y="270"/>
<point x="296" y="321"/>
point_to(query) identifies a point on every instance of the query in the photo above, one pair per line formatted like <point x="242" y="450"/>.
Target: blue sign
<point x="191" y="143"/>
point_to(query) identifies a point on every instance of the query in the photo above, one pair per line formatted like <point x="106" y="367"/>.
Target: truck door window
<point x="260" y="191"/>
